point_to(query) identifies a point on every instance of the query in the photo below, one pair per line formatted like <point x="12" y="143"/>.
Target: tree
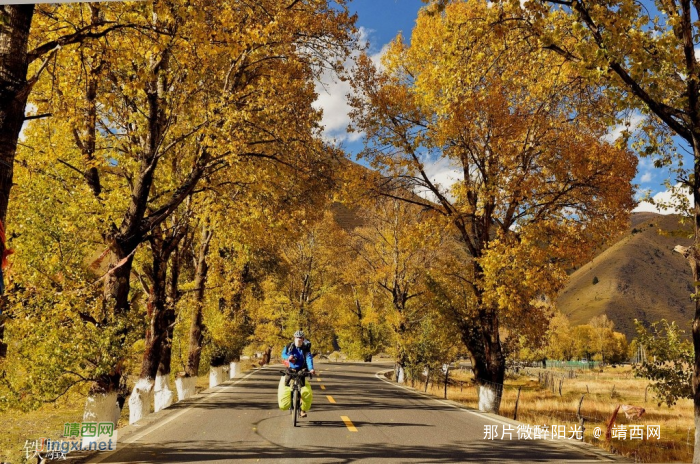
<point x="603" y="335"/>
<point x="583" y="336"/>
<point x="182" y="109"/>
<point x="669" y="360"/>
<point x="645" y="56"/>
<point x="56" y="27"/>
<point x="393" y="252"/>
<point x="517" y="128"/>
<point x="618" y="348"/>
<point x="361" y="328"/>
<point x="560" y="341"/>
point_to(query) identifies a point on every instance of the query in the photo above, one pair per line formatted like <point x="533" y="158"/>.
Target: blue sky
<point x="386" y="18"/>
<point x="379" y="22"/>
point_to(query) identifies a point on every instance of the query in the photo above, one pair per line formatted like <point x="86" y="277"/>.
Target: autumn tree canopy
<point x="645" y="56"/>
<point x="537" y="186"/>
<point x="152" y="137"/>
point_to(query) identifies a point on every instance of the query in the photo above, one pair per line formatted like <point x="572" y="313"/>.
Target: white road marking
<point x="489" y="418"/>
<point x="160" y="424"/>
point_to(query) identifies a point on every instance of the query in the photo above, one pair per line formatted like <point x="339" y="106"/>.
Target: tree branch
<point x="78" y="36"/>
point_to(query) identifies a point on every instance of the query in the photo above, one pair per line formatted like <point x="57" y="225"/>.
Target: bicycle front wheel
<point x="295" y="405"/>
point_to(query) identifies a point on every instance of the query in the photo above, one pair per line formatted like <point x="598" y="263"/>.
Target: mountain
<point x="638" y="277"/>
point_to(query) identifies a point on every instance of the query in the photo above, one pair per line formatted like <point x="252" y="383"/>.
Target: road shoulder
<point x="133" y="432"/>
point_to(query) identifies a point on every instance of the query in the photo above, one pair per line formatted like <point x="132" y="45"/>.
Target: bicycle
<point x="295" y="378"/>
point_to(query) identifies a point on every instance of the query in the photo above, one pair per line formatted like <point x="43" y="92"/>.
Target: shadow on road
<point x="204" y="451"/>
<point x="360" y="424"/>
<point x="346" y="390"/>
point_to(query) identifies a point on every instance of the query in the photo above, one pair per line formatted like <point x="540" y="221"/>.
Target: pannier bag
<point x="306" y="396"/>
<point x="284" y="395"/>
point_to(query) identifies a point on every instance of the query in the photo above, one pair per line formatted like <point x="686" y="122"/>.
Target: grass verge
<point x="602" y="392"/>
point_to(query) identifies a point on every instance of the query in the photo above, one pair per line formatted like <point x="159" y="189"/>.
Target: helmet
<point x="299" y="334"/>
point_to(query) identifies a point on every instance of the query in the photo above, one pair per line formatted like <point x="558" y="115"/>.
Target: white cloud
<point x="646" y="177"/>
<point x="333" y="97"/>
<point x="631" y="124"/>
<point x="667" y="202"/>
<point x="645" y="164"/>
<point x="332" y="100"/>
<point x="377" y="57"/>
<point x="443" y="174"/>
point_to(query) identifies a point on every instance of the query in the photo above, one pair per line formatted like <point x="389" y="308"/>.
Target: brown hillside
<point x="639" y="277"/>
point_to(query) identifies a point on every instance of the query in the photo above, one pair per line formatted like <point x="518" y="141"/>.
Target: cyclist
<point x="297" y="356"/>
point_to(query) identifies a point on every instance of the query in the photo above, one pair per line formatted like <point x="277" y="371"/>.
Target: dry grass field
<point x="540" y="406"/>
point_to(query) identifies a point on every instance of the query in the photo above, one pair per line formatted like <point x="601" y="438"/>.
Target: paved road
<point x="356" y="417"/>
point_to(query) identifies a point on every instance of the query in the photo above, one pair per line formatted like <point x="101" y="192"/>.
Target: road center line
<point x="330" y="398"/>
<point x="348" y="423"/>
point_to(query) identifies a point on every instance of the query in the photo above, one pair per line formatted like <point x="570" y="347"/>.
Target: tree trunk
<point x="694" y="260"/>
<point x="14" y="91"/>
<point x="196" y="337"/>
<point x="197" y="326"/>
<point x="106" y="398"/>
<point x="16" y="21"/>
<point x="488" y="362"/>
<point x="88" y="144"/>
<point x="401" y="362"/>
<point x="161" y="307"/>
<point x="163" y="395"/>
<point x="400" y="373"/>
<point x="692" y="254"/>
<point x="159" y="332"/>
<point x="267" y="355"/>
<point x="117" y="285"/>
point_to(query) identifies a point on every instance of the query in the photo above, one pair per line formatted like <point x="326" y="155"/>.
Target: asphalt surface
<point x="355" y="416"/>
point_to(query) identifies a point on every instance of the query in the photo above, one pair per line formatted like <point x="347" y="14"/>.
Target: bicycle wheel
<point x="295" y="405"/>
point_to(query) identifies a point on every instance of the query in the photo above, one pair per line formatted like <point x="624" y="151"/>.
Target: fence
<point x="572" y="364"/>
<point x="509" y="395"/>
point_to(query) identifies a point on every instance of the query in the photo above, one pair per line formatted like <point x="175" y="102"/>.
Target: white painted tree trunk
<point x="185" y="387"/>
<point x="401" y="376"/>
<point x="217" y="375"/>
<point x="234" y="369"/>
<point x="488" y="398"/>
<point x="101" y="407"/>
<point x="163" y="395"/>
<point x="140" y="400"/>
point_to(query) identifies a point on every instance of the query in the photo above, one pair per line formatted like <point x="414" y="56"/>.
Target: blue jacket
<point x="303" y="358"/>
